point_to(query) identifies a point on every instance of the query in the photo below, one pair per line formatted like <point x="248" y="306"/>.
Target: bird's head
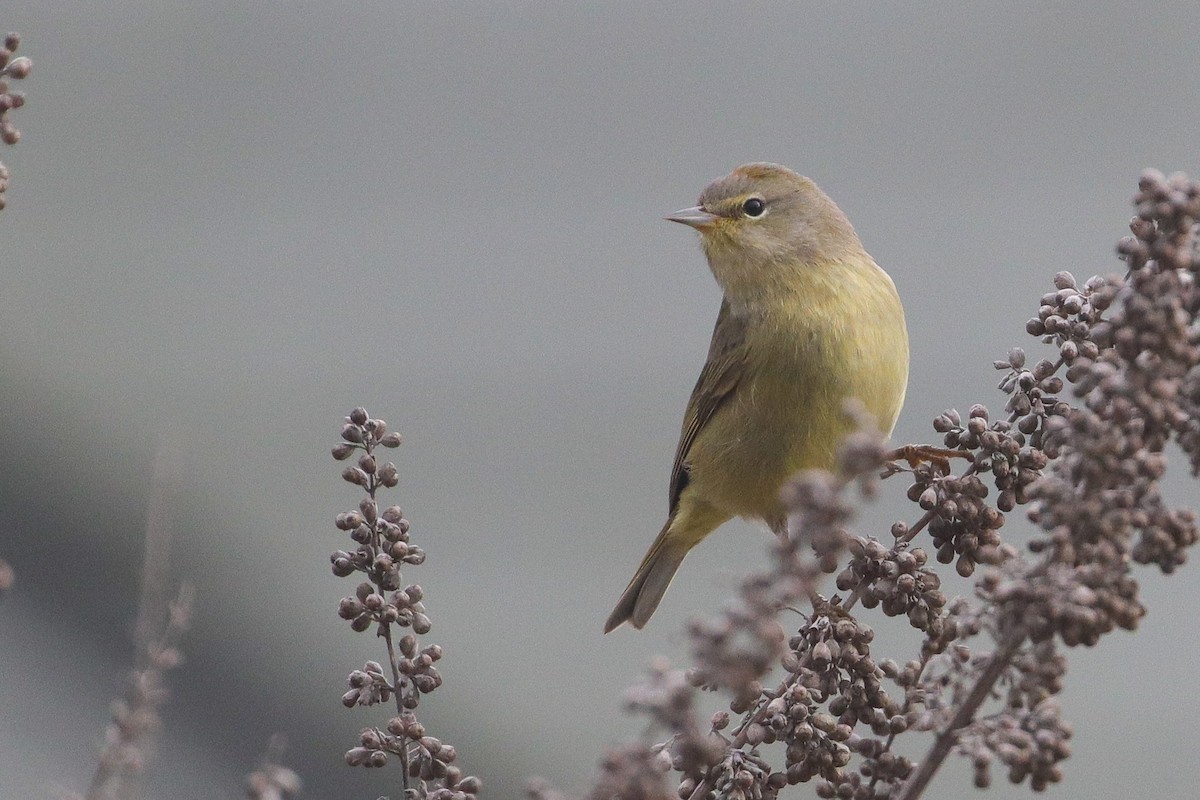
<point x="763" y="221"/>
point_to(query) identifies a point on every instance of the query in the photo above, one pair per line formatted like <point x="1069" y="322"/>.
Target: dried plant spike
<point x="10" y="69"/>
<point x="380" y="547"/>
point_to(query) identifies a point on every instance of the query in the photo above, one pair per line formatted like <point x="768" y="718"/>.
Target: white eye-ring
<point x="754" y="207"/>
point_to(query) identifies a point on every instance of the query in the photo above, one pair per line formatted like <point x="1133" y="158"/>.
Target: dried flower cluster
<point x="272" y="780"/>
<point x="1080" y="446"/>
<point x="135" y="716"/>
<point x="381" y="602"/>
<point x="10" y="69"/>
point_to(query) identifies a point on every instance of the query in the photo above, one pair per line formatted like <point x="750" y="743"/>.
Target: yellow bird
<point x="808" y="321"/>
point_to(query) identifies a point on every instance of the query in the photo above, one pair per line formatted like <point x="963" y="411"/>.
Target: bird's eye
<point x="754" y="207"/>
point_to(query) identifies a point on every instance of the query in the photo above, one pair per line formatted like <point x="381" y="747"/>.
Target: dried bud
<point x="19" y="68"/>
<point x="348" y="520"/>
<point x="369" y="509"/>
<point x="350" y="607"/>
<point x="388" y="476"/>
<point x="356" y="476"/>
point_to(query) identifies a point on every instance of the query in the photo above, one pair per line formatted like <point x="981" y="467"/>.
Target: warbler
<point x="808" y="320"/>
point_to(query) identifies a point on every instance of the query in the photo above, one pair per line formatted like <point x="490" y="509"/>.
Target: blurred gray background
<point x="230" y="223"/>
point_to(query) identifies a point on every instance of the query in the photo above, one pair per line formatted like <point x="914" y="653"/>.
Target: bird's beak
<point x="695" y="216"/>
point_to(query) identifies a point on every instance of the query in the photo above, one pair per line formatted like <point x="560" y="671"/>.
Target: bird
<point x="807" y="322"/>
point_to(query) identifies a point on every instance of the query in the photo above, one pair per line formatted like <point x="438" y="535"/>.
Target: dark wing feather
<point x="720" y="376"/>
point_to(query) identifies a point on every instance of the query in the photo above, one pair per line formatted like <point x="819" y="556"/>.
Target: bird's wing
<point x="721" y="374"/>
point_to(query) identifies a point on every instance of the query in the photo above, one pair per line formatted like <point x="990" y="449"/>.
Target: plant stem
<point x="929" y="765"/>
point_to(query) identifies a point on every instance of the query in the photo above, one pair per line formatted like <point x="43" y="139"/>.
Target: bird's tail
<point x="650" y="582"/>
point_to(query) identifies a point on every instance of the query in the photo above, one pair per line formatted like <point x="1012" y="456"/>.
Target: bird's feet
<point x="916" y="454"/>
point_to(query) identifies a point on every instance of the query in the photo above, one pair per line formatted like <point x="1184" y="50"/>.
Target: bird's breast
<point x="787" y="413"/>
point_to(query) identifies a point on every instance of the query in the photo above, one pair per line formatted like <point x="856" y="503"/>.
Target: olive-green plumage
<point x="807" y="322"/>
